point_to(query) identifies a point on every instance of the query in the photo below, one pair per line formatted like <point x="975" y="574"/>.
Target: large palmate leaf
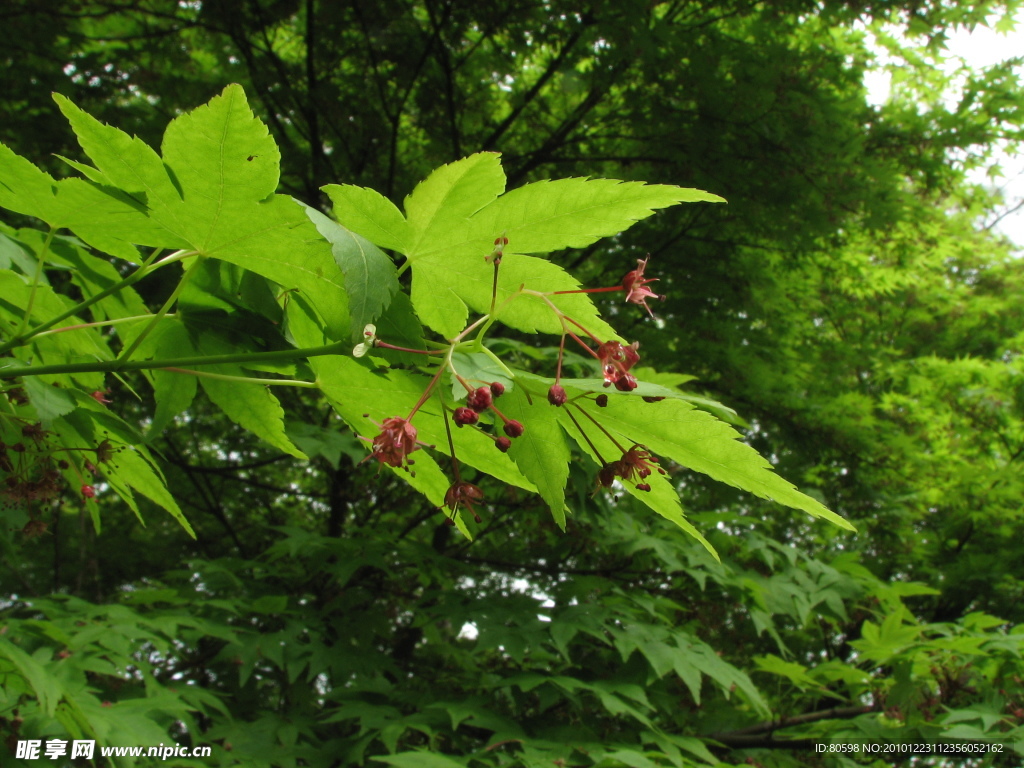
<point x="456" y="214"/>
<point x="213" y="191"/>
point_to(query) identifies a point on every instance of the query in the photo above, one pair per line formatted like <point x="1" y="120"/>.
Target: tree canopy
<point x="327" y="197"/>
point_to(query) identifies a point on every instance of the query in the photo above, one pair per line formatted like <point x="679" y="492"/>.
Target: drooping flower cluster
<point x="466" y="494"/>
<point x="636" y="464"/>
<point x="616" y="360"/>
<point x="33" y="474"/>
<point x="398" y="437"/>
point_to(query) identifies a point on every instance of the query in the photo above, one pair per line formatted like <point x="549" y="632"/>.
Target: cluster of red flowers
<point x="636" y="464"/>
<point x="32" y="473"/>
<point x="616" y="360"/>
<point x="397" y="437"/>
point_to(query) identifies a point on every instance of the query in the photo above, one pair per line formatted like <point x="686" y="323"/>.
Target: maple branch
<point x="111" y="366"/>
<point x="755" y="735"/>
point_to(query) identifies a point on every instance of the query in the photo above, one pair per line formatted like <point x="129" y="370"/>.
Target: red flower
<point x="636" y="464"/>
<point x="616" y="360"/>
<point x="100" y="396"/>
<point x="397" y="439"/>
<point x="513" y="428"/>
<point x="556" y="395"/>
<point x="480" y="399"/>
<point x="89" y="492"/>
<point x="465" y="416"/>
<point x="463" y="493"/>
<point x="635" y="285"/>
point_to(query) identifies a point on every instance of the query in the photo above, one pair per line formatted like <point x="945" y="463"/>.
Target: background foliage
<point x="849" y="303"/>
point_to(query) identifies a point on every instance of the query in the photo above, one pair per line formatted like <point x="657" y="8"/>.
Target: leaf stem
<point x="385" y="345"/>
<point x="127" y="353"/>
<point x="426" y="393"/>
<point x="589" y="290"/>
<point x="98" y="324"/>
<point x="498" y="361"/>
<point x="114" y="366"/>
<point x="35" y="281"/>
<point x="247" y="379"/>
<point x="493" y="316"/>
<point x="600" y="426"/>
<point x="147" y="267"/>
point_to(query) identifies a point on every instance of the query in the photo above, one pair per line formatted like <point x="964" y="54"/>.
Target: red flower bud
<point x="625" y="382"/>
<point x="503" y="444"/>
<point x="513" y="428"/>
<point x="602" y="401"/>
<point x="497" y="388"/>
<point x="479" y="399"/>
<point x="556" y="395"/>
<point x="465" y="416"/>
<point x="89" y="492"/>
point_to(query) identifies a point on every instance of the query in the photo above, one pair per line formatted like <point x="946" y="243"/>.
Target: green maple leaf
<point x="250" y="405"/>
<point x="213" y="191"/>
<point x="105" y="218"/>
<point x="455" y="215"/>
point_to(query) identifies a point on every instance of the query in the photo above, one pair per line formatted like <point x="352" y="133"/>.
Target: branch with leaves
<point x="297" y="288"/>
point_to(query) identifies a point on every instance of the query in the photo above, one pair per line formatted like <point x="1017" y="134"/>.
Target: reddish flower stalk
<point x="385" y="345"/>
<point x="460" y="492"/>
<point x="633" y="283"/>
<point x="586" y="437"/>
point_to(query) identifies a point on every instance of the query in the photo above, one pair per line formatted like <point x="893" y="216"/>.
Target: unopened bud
<point x="480" y="399"/>
<point x="513" y="428"/>
<point x="602" y="401"/>
<point x="497" y="388"/>
<point x="503" y="444"/>
<point x="464" y="416"/>
<point x="556" y="395"/>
